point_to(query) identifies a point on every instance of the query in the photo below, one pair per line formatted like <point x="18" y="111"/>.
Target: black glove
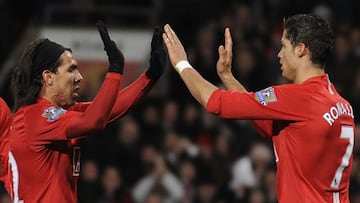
<point x="115" y="57"/>
<point x="158" y="56"/>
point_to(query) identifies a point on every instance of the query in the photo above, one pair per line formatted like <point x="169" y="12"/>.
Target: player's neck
<point x="46" y="94"/>
<point x="308" y="72"/>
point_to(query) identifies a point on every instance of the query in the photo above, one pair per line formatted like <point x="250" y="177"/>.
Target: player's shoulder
<point x="4" y="108"/>
<point x="341" y="99"/>
<point x="293" y="90"/>
<point x="3" y="104"/>
<point x="2" y="101"/>
<point x="36" y="110"/>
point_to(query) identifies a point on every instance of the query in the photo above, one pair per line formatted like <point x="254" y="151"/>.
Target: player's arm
<point x="272" y="103"/>
<point x="263" y="127"/>
<point x="94" y="118"/>
<point x="223" y="68"/>
<point x="200" y="88"/>
<point x="126" y="97"/>
<point x="5" y="122"/>
<point x="226" y="103"/>
<point x="129" y="95"/>
<point x="96" y="115"/>
<point x="223" y="65"/>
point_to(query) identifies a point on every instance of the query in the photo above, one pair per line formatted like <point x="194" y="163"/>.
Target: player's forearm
<point x="231" y="83"/>
<point x="197" y="85"/>
<point x="96" y="115"/>
<point x="200" y="89"/>
<point x="128" y="96"/>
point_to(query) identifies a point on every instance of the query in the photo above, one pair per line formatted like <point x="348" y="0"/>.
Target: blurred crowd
<point x="169" y="150"/>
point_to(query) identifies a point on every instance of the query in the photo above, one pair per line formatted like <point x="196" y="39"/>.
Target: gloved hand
<point x="158" y="56"/>
<point x="115" y="57"/>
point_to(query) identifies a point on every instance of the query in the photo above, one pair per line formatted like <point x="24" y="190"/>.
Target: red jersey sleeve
<point x="263" y="127"/>
<point x="285" y="102"/>
<point x="62" y="124"/>
<point x="80" y="106"/>
<point x="128" y="96"/>
<point x="96" y="115"/>
<point x="5" y="120"/>
<point x="125" y="99"/>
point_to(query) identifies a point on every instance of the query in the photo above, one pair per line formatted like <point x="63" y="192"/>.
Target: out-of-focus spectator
<point x="205" y="52"/>
<point x="5" y="198"/>
<point x="206" y="190"/>
<point x="355" y="41"/>
<point x="256" y="196"/>
<point x="355" y="175"/>
<point x="89" y="186"/>
<point x="158" y="180"/>
<point x="269" y="185"/>
<point x="248" y="171"/>
<point x="223" y="158"/>
<point x="3" y="193"/>
<point x="204" y="161"/>
<point x="170" y="116"/>
<point x="175" y="147"/>
<point x="123" y="151"/>
<point x="149" y="119"/>
<point x="190" y="121"/>
<point x="187" y="175"/>
<point x="154" y="197"/>
<point x="343" y="80"/>
<point x="113" y="189"/>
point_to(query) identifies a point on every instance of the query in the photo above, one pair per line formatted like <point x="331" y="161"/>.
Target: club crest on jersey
<point x="266" y="96"/>
<point x="53" y="113"/>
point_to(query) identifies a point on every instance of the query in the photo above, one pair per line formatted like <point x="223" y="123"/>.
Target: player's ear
<point x="47" y="77"/>
<point x="301" y="49"/>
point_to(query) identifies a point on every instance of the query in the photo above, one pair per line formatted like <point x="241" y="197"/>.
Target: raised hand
<point x="158" y="55"/>
<point x="115" y="57"/>
<point x="175" y="49"/>
<point x="223" y="65"/>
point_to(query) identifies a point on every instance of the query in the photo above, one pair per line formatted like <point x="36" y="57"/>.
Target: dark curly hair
<point x="25" y="82"/>
<point x="314" y="32"/>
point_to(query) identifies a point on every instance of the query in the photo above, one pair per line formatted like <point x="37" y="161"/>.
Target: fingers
<point x="156" y="38"/>
<point x="174" y="47"/>
<point x="222" y="53"/>
<point x="221" y="50"/>
<point x="228" y="40"/>
<point x="170" y="35"/>
<point x="225" y="52"/>
<point x="171" y="39"/>
<point x="223" y="64"/>
<point x="103" y="32"/>
<point x="173" y="35"/>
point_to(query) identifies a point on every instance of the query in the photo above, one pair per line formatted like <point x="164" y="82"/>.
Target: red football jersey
<point x="44" y="162"/>
<point x="125" y="99"/>
<point x="5" y="119"/>
<point x="312" y="128"/>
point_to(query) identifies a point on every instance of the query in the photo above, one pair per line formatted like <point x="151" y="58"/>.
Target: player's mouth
<point x="76" y="91"/>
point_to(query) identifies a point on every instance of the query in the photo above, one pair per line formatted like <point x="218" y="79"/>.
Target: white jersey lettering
<point x="336" y="111"/>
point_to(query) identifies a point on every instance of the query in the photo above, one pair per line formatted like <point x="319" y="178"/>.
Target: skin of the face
<point x="66" y="81"/>
<point x="288" y="58"/>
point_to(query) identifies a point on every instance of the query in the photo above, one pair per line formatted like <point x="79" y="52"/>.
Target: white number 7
<point x="347" y="132"/>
